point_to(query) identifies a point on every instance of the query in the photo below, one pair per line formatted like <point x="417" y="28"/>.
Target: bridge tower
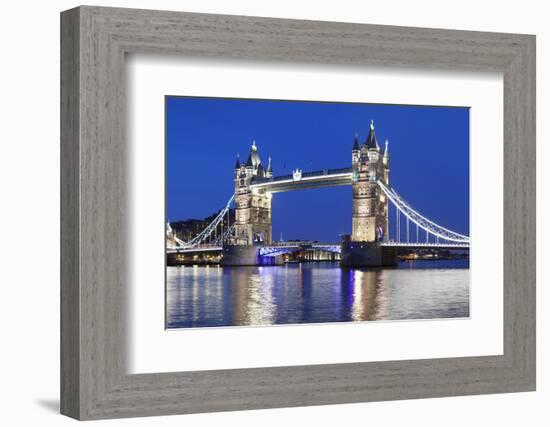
<point x="252" y="208"/>
<point x="370" y="205"/>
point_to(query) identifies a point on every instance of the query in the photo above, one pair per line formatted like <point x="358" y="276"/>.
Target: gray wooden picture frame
<point x="94" y="382"/>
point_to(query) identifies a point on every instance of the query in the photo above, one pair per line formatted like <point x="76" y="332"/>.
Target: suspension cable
<point x="421" y="221"/>
<point x="211" y="228"/>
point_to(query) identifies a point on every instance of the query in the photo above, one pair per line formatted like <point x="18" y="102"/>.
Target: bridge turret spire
<point x="261" y="171"/>
<point x="386" y="158"/>
<point x="254" y="160"/>
<point x="269" y="170"/>
<point x="238" y="162"/>
<point x="356" y="142"/>
<point x="249" y="161"/>
<point x="371" y="142"/>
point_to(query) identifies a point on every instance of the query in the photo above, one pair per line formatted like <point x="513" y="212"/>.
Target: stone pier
<point x="367" y="254"/>
<point x="246" y="255"/>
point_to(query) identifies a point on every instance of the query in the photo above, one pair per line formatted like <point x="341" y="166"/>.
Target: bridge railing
<point x="451" y="245"/>
<point x="321" y="172"/>
<point x="298" y="243"/>
<point x="272" y="179"/>
<point x="291" y="243"/>
<point x="196" y="248"/>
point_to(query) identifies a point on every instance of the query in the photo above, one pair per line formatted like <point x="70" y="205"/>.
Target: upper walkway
<point x="299" y="180"/>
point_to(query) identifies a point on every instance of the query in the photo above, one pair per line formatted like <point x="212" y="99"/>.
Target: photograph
<point x="301" y="212"/>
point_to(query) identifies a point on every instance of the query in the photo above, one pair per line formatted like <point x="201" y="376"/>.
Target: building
<point x="252" y="209"/>
<point x="369" y="206"/>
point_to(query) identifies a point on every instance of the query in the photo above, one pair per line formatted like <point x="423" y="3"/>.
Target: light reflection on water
<point x="314" y="293"/>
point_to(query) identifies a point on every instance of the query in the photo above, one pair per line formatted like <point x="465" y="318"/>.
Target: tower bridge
<point x="248" y="241"/>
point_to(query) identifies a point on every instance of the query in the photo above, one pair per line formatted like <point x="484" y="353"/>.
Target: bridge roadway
<point x="278" y="248"/>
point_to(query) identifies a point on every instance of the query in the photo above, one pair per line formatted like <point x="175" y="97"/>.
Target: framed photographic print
<point x="357" y="250"/>
<point x="262" y="213"/>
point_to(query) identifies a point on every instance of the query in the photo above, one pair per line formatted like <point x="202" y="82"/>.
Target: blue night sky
<point x="429" y="158"/>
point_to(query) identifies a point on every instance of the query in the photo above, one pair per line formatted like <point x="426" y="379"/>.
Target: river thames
<point x="200" y="296"/>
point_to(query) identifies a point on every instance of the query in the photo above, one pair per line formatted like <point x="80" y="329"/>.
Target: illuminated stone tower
<point x="370" y="205"/>
<point x="252" y="208"/>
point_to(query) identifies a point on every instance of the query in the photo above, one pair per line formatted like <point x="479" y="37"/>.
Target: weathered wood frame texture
<point x="94" y="41"/>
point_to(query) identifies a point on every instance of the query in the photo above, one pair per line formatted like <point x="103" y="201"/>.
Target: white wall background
<point x="29" y="177"/>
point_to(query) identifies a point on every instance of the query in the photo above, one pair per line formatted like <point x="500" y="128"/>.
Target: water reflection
<point x="313" y="293"/>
